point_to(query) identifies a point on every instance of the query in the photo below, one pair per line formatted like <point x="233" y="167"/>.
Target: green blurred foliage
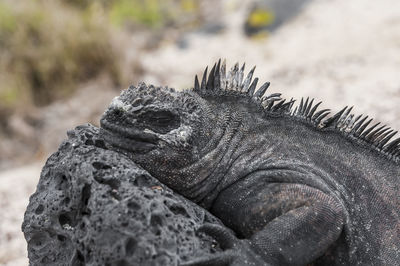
<point x="261" y="17"/>
<point x="258" y="21"/>
<point x="46" y="49"/>
<point x="7" y="20"/>
<point x="136" y="11"/>
<point x="153" y="14"/>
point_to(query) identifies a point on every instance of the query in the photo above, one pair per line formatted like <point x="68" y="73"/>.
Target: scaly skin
<point x="296" y="187"/>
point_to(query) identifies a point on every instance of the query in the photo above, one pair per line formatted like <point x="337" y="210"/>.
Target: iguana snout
<point x="147" y="116"/>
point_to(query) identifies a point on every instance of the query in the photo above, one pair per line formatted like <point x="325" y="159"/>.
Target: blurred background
<point x="62" y="61"/>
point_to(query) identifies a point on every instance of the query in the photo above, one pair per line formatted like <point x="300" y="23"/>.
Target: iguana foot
<point x="236" y="252"/>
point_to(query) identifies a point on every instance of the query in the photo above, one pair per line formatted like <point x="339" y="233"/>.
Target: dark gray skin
<point x="296" y="187"/>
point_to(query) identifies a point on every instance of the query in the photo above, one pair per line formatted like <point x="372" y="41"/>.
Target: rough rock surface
<point x="93" y="206"/>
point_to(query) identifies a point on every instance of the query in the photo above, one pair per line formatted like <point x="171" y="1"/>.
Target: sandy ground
<point x="338" y="51"/>
<point x="16" y="186"/>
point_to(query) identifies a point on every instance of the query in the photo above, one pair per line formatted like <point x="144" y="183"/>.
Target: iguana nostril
<point x="117" y="112"/>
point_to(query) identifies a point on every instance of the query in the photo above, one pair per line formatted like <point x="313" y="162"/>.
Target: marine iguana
<point x="296" y="184"/>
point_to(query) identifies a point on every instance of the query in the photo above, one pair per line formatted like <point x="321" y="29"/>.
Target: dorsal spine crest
<point x="222" y="83"/>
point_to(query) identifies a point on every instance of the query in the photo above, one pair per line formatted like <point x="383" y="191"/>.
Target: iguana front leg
<point x="287" y="224"/>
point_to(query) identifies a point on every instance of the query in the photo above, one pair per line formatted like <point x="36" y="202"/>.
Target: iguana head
<point x="159" y="128"/>
<point x="179" y="136"/>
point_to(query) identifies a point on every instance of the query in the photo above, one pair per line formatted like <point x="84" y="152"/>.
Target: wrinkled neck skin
<point x="211" y="168"/>
<point x="226" y="150"/>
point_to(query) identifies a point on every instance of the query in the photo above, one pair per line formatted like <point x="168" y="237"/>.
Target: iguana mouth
<point x="129" y="139"/>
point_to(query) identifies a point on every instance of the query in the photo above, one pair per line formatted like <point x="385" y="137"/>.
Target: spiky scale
<point x="292" y="101"/>
<point x="383" y="134"/>
<point x="319" y="119"/>
<point x="362" y="128"/>
<point x="252" y="87"/>
<point x="246" y="82"/>
<point x="347" y="124"/>
<point x="269" y="105"/>
<point x="196" y="84"/>
<point x="332" y="122"/>
<point x="344" y="119"/>
<point x="204" y="80"/>
<point x="241" y="74"/>
<point x="357" y="118"/>
<point x="376" y="133"/>
<point x="210" y="81"/>
<point x="242" y="68"/>
<point x="229" y="79"/>
<point x="294" y="111"/>
<point x="352" y="123"/>
<point x="311" y="113"/>
<point x="348" y="112"/>
<point x="309" y="107"/>
<point x="217" y="77"/>
<point x="303" y="111"/>
<point x="273" y="95"/>
<point x="379" y="136"/>
<point x="366" y="132"/>
<point x="286" y="107"/>
<point x="354" y="130"/>
<point x="386" y="139"/>
<point x="235" y="76"/>
<point x="345" y="115"/>
<point x="377" y="141"/>
<point x="392" y="145"/>
<point x="223" y="75"/>
<point x="319" y="113"/>
<point x="260" y="92"/>
<point x="300" y="107"/>
<point x="278" y="105"/>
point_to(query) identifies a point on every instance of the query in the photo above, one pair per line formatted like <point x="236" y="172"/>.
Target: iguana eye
<point x="160" y="121"/>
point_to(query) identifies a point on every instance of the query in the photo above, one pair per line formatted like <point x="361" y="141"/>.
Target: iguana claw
<point x="222" y="259"/>
<point x="236" y="252"/>
<point x="225" y="238"/>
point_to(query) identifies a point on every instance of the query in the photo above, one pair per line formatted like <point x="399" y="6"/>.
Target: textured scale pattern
<point x="359" y="128"/>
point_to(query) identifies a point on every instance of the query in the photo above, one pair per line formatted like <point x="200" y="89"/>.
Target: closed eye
<point x="160" y="121"/>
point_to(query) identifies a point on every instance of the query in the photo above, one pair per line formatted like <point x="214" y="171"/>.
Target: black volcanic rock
<point x="94" y="206"/>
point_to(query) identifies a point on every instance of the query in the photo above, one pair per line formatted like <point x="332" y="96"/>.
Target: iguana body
<point x="296" y="187"/>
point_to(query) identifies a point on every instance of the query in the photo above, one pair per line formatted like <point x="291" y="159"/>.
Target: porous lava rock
<point x="94" y="206"/>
